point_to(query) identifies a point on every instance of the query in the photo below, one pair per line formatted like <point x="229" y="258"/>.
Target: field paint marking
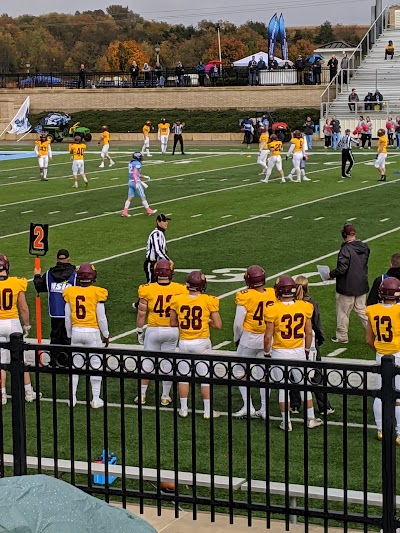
<point x="227" y="216"/>
<point x="224" y="179"/>
<point x="336" y="352"/>
<point x="315" y="181"/>
<point x="248" y="179"/>
<point x="202" y="179"/>
<point x="25" y="212"/>
<point x="195" y="216"/>
<point x="112" y="179"/>
<point x="287" y="218"/>
<point x="3" y="210"/>
<point x="221" y="345"/>
<point x="54" y="212"/>
<point x="384" y="219"/>
<point x="319" y="218"/>
<point x="365" y="181"/>
<point x="91" y="179"/>
<point x="351" y="219"/>
<point x="81" y="213"/>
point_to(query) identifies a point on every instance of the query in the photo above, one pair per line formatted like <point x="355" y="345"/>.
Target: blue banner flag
<point x="284" y="44"/>
<point x="273" y="30"/>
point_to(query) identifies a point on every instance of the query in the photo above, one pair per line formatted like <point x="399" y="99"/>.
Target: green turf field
<point x="223" y="220"/>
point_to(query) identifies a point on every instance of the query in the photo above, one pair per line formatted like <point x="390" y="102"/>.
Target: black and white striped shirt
<point x="177" y="128"/>
<point x="156" y="246"/>
<point x="346" y="142"/>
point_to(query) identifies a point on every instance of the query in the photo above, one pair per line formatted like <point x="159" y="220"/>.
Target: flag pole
<point x="24" y="135"/>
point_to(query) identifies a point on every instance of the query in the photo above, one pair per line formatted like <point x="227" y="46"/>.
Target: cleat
<point x="242" y="413"/>
<point x="4" y="398"/>
<point x="282" y="426"/>
<point x="101" y="165"/>
<point x="75" y="186"/>
<point x="215" y="414"/>
<point x="165" y="400"/>
<point x="97" y="404"/>
<point x="314" y="423"/>
<point x="295" y="410"/>
<point x="283" y="180"/>
<point x="261" y="414"/>
<point x="306" y="179"/>
<point x="86" y="183"/>
<point x="111" y="163"/>
<point x="126" y="215"/>
<point x="44" y="179"/>
<point x="290" y="178"/>
<point x="30" y="395"/>
<point x="264" y="180"/>
<point x="143" y="400"/>
<point x="380" y="436"/>
<point x="329" y="411"/>
<point x="383" y="177"/>
<point x="183" y="413"/>
<point x="335" y="339"/>
<point x="73" y="402"/>
<point x="150" y="211"/>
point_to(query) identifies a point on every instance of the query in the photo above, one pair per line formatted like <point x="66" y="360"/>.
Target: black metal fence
<point x="113" y="80"/>
<point x="336" y="475"/>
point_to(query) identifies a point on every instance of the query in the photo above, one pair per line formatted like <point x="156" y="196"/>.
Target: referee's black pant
<point x="347" y="157"/>
<point x="178" y="138"/>
<point x="148" y="267"/>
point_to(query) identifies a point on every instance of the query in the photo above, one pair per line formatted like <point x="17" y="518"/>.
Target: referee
<point x="177" y="128"/>
<point x="347" y="154"/>
<point x="156" y="247"/>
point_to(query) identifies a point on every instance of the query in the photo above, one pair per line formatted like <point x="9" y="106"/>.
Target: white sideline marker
<point x="221" y="345"/>
<point x="351" y="219"/>
<point x="365" y="181"/>
<point x="91" y="179"/>
<point x="54" y="212"/>
<point x="202" y="179"/>
<point x="319" y="218"/>
<point x="224" y="179"/>
<point x="226" y="216"/>
<point x="25" y="212"/>
<point x="81" y="213"/>
<point x="199" y="215"/>
<point x="336" y="352"/>
<point x="384" y="219"/>
<point x="112" y="179"/>
<point x="287" y="218"/>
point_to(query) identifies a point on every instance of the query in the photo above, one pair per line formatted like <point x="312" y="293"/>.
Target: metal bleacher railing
<point x="219" y="465"/>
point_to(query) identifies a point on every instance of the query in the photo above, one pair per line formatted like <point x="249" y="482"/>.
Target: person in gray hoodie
<point x="351" y="275"/>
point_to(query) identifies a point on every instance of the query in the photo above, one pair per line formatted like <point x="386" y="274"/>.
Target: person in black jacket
<point x="82" y="77"/>
<point x="351" y="274"/>
<point x="134" y="72"/>
<point x="333" y="67"/>
<point x="54" y="282"/>
<point x="318" y="339"/>
<point x="300" y="65"/>
<point x="393" y="272"/>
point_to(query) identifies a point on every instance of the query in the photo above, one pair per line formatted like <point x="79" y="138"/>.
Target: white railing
<point x="343" y="77"/>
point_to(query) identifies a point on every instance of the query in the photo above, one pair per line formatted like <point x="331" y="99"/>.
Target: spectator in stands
<point x="378" y="99"/>
<point x="300" y="65"/>
<point x="134" y="72"/>
<point x="344" y="65"/>
<point x="286" y="65"/>
<point x="316" y="68"/>
<point x="333" y="67"/>
<point x="201" y="71"/>
<point x="309" y="131"/>
<point x="353" y="99"/>
<point x="158" y="71"/>
<point x="214" y="75"/>
<point x="272" y="63"/>
<point x="366" y="133"/>
<point x="147" y="74"/>
<point x="391" y="127"/>
<point x="82" y="77"/>
<point x="336" y="129"/>
<point x="368" y="102"/>
<point x="397" y="132"/>
<point x="389" y="50"/>
<point x="393" y="272"/>
<point x="327" y="131"/>
<point x="180" y="74"/>
<point x="261" y="65"/>
<point x="252" y="68"/>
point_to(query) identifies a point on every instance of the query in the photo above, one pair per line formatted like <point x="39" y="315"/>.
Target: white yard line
<point x="336" y="352"/>
<point x="319" y="218"/>
<point x="384" y="219"/>
<point x="221" y="345"/>
<point x="195" y="216"/>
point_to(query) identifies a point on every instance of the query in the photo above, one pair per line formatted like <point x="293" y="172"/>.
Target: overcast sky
<point x="296" y="12"/>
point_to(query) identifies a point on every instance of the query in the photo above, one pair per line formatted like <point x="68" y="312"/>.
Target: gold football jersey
<point x="43" y="147"/>
<point x="298" y="144"/>
<point x="193" y="314"/>
<point x="164" y="128"/>
<point x="289" y="323"/>
<point x="9" y="290"/>
<point x="83" y="302"/>
<point x="77" y="150"/>
<point x="385" y="322"/>
<point x="256" y="304"/>
<point x="275" y="147"/>
<point x="158" y="299"/>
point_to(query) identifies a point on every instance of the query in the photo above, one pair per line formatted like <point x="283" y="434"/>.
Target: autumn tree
<point x="325" y="33"/>
<point x="303" y="47"/>
<point x="120" y="55"/>
<point x="232" y="49"/>
<point x="8" y="53"/>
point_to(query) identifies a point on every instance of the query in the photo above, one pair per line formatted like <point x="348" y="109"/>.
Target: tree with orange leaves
<point x="120" y="55"/>
<point x="302" y="47"/>
<point x="232" y="49"/>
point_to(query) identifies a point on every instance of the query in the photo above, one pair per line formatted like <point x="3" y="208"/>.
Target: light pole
<point x="28" y="66"/>
<point x="157" y="51"/>
<point x="219" y="46"/>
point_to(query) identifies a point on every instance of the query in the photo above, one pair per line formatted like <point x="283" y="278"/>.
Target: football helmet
<point x="137" y="156"/>
<point x="86" y="273"/>
<point x="104" y="128"/>
<point x="77" y="139"/>
<point x="196" y="281"/>
<point x="297" y="134"/>
<point x="285" y="287"/>
<point x="381" y="132"/>
<point x="4" y="263"/>
<point x="254" y="277"/>
<point x="43" y="137"/>
<point x="163" y="269"/>
<point x="261" y="129"/>
<point x="273" y="137"/>
<point x="148" y="122"/>
<point x="163" y="120"/>
<point x="389" y="289"/>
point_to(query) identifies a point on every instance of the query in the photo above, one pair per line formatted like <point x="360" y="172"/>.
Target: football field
<point x="223" y="220"/>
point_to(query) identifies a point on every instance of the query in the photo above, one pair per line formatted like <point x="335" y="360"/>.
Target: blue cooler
<point x="112" y="460"/>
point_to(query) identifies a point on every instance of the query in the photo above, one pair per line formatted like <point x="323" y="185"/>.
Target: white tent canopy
<point x="245" y="61"/>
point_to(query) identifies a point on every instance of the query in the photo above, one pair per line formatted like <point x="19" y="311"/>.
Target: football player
<point x="380" y="163"/>
<point x="275" y="159"/>
<point x="136" y="186"/>
<point x="12" y="298"/>
<point x="194" y="314"/>
<point x="154" y="301"/>
<point x="288" y="335"/>
<point x="263" y="149"/>
<point x="297" y="148"/>
<point x="163" y="134"/>
<point x="77" y="149"/>
<point x="146" y="138"/>
<point x="105" y="141"/>
<point x="249" y="330"/>
<point x="302" y="170"/>
<point x="85" y="322"/>
<point x="43" y="152"/>
<point x="383" y="336"/>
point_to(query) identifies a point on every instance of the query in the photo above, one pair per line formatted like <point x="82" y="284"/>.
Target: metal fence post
<point x="18" y="403"/>
<point x="388" y="396"/>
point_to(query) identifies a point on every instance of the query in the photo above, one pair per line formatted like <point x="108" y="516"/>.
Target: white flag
<point x="20" y="123"/>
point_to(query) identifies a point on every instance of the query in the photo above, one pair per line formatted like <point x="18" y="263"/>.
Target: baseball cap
<point x="349" y="229"/>
<point x="62" y="254"/>
<point x="162" y="218"/>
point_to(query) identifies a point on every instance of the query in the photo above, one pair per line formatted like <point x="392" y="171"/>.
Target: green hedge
<point x="197" y="121"/>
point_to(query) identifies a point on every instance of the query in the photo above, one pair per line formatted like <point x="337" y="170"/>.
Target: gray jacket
<point x="351" y="272"/>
